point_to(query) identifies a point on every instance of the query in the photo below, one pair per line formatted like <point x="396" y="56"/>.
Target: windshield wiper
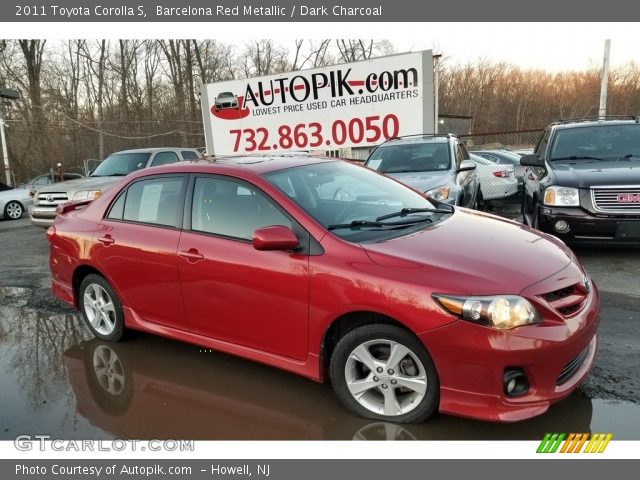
<point x="357" y="224"/>
<point x="408" y="211"/>
<point x="577" y="157"/>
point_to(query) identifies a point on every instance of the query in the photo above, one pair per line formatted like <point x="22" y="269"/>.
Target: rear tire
<point x="101" y="308"/>
<point x="383" y="372"/>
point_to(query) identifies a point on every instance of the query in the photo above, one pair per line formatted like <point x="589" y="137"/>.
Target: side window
<point x="117" y="208"/>
<point x="153" y="201"/>
<point x="43" y="180"/>
<point x="164" y="158"/>
<point x="189" y="155"/>
<point x="541" y="147"/>
<point x="232" y="209"/>
<point x="461" y="153"/>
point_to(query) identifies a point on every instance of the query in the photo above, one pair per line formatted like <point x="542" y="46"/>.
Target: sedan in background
<point x="504" y="157"/>
<point x="496" y="181"/>
<point x="407" y="306"/>
<point x="14" y="202"/>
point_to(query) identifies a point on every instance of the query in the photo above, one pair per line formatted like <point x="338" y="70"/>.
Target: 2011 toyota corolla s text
<point x="330" y="270"/>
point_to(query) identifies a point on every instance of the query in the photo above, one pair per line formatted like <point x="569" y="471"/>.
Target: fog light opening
<point x="515" y="382"/>
<point x="561" y="226"/>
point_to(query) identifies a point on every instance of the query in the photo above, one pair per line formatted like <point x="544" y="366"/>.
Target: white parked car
<point x="496" y="180"/>
<point x="14" y="202"/>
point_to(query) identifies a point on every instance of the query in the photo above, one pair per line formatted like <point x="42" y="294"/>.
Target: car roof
<point x="562" y="125"/>
<point x="252" y="164"/>
<point x="415" y="140"/>
<point x="153" y="149"/>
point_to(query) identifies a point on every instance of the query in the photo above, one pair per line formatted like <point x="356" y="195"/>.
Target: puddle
<point x="56" y="379"/>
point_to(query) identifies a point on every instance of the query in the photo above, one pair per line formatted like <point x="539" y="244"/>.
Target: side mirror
<point x="276" y="237"/>
<point x="467" y="166"/>
<point x="531" y="160"/>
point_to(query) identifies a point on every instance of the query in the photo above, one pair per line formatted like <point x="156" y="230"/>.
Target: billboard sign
<point x="357" y="104"/>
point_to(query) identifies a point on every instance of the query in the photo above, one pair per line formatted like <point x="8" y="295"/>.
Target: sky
<point x="550" y="46"/>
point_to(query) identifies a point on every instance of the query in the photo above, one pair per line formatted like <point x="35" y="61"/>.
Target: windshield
<point x="121" y="164"/>
<point x="600" y="142"/>
<point x="356" y="203"/>
<point x="417" y="157"/>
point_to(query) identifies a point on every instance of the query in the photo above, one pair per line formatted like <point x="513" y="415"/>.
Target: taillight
<point x="51" y="232"/>
<point x="501" y="173"/>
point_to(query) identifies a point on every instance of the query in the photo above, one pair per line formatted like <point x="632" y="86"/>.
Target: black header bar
<point x="318" y="11"/>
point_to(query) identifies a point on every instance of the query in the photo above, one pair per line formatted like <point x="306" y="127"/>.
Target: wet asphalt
<point x="56" y="379"/>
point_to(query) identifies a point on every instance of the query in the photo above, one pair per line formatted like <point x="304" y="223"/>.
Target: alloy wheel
<point x="99" y="309"/>
<point x="385" y="377"/>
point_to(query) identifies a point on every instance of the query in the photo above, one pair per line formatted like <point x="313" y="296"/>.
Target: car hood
<point x="485" y="254"/>
<point x="422" y="181"/>
<point x="72" y="186"/>
<point x="587" y="173"/>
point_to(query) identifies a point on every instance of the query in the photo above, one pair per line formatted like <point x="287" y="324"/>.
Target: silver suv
<point x="104" y="176"/>
<point x="437" y="165"/>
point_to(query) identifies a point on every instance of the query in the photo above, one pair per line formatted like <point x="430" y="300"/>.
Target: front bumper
<point x="43" y="216"/>
<point x="588" y="229"/>
<point x="471" y="361"/>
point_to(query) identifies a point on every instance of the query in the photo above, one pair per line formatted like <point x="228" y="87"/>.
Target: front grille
<point x="572" y="367"/>
<point x="567" y="301"/>
<point x="52" y="199"/>
<point x="617" y="199"/>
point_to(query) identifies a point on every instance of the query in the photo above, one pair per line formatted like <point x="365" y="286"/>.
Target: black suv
<point x="582" y="183"/>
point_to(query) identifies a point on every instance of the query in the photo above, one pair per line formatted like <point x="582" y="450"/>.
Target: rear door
<point x="136" y="247"/>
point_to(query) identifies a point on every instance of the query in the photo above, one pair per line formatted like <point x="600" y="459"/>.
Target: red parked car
<point x="333" y="271"/>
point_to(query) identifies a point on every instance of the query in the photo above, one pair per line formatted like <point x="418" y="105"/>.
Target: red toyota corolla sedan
<point x="330" y="270"/>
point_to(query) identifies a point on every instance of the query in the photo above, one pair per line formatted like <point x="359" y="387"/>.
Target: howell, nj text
<point x="243" y="470"/>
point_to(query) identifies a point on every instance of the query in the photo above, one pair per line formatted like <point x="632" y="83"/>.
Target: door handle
<point x="106" y="240"/>
<point x="192" y="255"/>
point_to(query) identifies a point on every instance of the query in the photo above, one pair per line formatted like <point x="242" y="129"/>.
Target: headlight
<point x="500" y="311"/>
<point x="86" y="194"/>
<point x="562" y="196"/>
<point x="439" y="193"/>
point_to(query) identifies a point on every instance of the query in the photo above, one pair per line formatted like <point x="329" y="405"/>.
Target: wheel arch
<point x="80" y="272"/>
<point x="343" y="325"/>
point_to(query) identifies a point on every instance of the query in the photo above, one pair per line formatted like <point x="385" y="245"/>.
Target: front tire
<point x="101" y="308"/>
<point x="383" y="372"/>
<point x="13" y="210"/>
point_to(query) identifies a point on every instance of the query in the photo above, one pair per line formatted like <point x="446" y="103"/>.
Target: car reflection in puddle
<point x="55" y="380"/>
<point x="150" y="387"/>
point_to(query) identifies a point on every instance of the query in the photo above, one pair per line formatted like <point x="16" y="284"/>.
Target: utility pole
<point x="436" y="92"/>
<point x="605" y="79"/>
<point x="10" y="95"/>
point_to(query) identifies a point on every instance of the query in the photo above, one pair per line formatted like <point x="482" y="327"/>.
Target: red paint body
<point x="276" y="306"/>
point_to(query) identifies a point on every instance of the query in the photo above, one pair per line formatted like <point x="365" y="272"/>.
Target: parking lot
<point x="165" y="389"/>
